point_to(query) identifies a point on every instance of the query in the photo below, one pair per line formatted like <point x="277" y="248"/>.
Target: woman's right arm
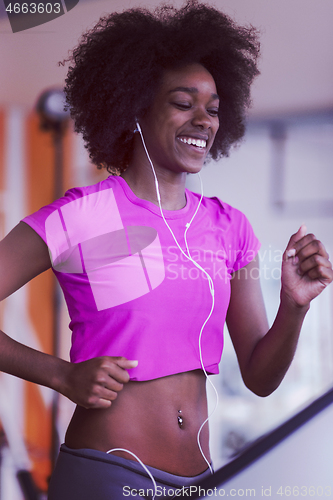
<point x="93" y="383"/>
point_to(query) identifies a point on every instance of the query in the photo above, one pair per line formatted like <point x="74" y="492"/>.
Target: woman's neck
<point x="140" y="179"/>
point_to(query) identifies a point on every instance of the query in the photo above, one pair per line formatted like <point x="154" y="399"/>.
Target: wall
<point x="296" y="65"/>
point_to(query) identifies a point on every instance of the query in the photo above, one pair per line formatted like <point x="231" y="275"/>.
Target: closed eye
<point x="182" y="105"/>
<point x="213" y="112"/>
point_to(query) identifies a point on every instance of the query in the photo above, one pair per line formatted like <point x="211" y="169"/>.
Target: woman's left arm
<point x="264" y="355"/>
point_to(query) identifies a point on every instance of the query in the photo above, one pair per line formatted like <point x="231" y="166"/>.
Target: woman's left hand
<point x="306" y="269"/>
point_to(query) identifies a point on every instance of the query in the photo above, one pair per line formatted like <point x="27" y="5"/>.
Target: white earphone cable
<point x="210" y="282"/>
<point x="141" y="463"/>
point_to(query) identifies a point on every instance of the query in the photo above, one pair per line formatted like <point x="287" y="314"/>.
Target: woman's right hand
<point x="95" y="383"/>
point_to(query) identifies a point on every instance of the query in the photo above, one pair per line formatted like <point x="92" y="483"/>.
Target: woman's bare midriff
<point x="144" y="420"/>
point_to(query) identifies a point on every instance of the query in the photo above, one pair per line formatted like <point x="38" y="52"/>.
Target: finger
<point x="108" y="394"/>
<point x="96" y="402"/>
<point x="290" y="251"/>
<point x="302" y="231"/>
<point x="125" y="363"/>
<point x="313" y="262"/>
<point x="296" y="237"/>
<point x="102" y="404"/>
<point x="110" y="382"/>
<point x="116" y="368"/>
<point x="102" y="397"/>
<point x="321" y="273"/>
<point x="309" y="246"/>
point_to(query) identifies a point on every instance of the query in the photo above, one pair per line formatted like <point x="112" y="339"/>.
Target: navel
<point x="180" y="419"/>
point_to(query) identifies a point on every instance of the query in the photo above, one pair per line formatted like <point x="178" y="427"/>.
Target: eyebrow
<point x="190" y="90"/>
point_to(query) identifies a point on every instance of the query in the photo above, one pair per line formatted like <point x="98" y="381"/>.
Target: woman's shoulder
<point x="86" y="190"/>
<point x="82" y="214"/>
<point x="64" y="210"/>
<point x="77" y="193"/>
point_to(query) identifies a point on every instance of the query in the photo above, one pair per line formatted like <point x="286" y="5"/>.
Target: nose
<point x="201" y="119"/>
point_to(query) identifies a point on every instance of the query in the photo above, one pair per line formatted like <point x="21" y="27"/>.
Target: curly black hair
<point x="118" y="65"/>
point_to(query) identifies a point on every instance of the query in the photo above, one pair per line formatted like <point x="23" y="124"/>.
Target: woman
<point x="154" y="95"/>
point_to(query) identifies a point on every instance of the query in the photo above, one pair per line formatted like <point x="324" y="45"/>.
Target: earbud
<point x="138" y="128"/>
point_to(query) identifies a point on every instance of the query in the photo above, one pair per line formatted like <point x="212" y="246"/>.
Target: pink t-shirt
<point x="129" y="290"/>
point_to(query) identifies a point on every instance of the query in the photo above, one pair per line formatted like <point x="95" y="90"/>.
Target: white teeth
<point x="200" y="143"/>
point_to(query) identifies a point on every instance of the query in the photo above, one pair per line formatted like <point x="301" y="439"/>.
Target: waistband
<point x="159" y="475"/>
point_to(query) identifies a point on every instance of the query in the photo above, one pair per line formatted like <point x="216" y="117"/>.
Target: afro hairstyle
<point x="117" y="67"/>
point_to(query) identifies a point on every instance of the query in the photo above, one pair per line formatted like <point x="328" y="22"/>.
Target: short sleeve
<point x="38" y="220"/>
<point x="70" y="223"/>
<point x="249" y="244"/>
<point x="240" y="242"/>
<point x="49" y="224"/>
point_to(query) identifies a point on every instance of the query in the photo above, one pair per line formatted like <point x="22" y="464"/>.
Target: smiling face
<point x="180" y="127"/>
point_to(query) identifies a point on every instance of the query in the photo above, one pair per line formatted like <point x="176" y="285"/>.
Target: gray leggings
<point x="94" y="475"/>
